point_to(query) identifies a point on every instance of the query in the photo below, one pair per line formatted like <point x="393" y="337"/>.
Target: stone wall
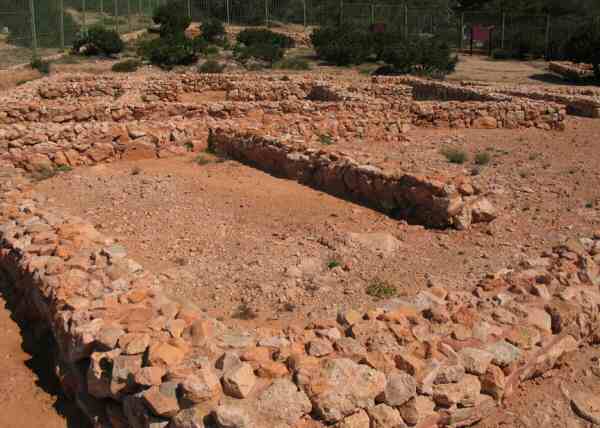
<point x="131" y="357"/>
<point x="571" y="71"/>
<point x="46" y="147"/>
<point x="576" y="101"/>
<point x="439" y="202"/>
<point x="515" y="114"/>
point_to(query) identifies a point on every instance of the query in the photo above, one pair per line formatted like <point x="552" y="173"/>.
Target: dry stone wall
<point x="131" y="357"/>
<point x="425" y="113"/>
<point x="580" y="102"/>
<point x="571" y="70"/>
<point x="436" y="202"/>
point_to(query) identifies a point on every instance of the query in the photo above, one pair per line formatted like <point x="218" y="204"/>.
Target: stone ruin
<point x="132" y="357"/>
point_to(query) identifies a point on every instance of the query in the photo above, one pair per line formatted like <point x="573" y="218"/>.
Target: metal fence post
<point x="372" y="14"/>
<point x="102" y="12"/>
<point x="228" y="13"/>
<point x="129" y="16"/>
<point x="116" y="15"/>
<point x="61" y="22"/>
<point x="189" y="8"/>
<point x="304" y="13"/>
<point x="406" y="29"/>
<point x="503" y="30"/>
<point x="341" y="12"/>
<point x="547" y="38"/>
<point x="34" y="43"/>
<point x="461" y="33"/>
<point x="83" y="15"/>
<point x="267" y="13"/>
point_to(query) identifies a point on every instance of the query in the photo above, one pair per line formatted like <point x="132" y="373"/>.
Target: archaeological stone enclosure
<point x="130" y="355"/>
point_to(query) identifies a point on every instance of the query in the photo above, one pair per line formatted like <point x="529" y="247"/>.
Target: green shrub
<point x="584" y="47"/>
<point x="98" y="40"/>
<point x="483" y="158"/>
<point x="264" y="52"/>
<point x="213" y="30"/>
<point x="425" y="55"/>
<point x="381" y="289"/>
<point x="343" y="45"/>
<point x="455" y="155"/>
<point x="293" y="63"/>
<point x="126" y="66"/>
<point x="172" y="18"/>
<point x="259" y="36"/>
<point x="211" y="67"/>
<point x="40" y="65"/>
<point x="169" y="51"/>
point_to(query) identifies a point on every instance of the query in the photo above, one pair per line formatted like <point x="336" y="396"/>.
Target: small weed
<point x="455" y="155"/>
<point x="333" y="264"/>
<point x="483" y="158"/>
<point x="211" y="67"/>
<point x="189" y="146"/>
<point x="244" y="312"/>
<point x="381" y="289"/>
<point x="136" y="170"/>
<point x="64" y="168"/>
<point x="40" y="65"/>
<point x="202" y="160"/>
<point x="43" y="173"/>
<point x="590" y="204"/>
<point x="534" y="156"/>
<point x="524" y="174"/>
<point x="127" y="66"/>
<point x="293" y="63"/>
<point x="326" y="140"/>
<point x="289" y="307"/>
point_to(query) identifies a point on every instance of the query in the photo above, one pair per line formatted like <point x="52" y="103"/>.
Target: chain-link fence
<point x="44" y="27"/>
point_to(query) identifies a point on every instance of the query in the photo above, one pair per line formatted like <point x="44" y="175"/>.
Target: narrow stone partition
<point x="434" y="202"/>
<point x="131" y="357"/>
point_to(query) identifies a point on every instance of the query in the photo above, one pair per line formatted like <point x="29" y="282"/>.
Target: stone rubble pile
<point x="131" y="357"/>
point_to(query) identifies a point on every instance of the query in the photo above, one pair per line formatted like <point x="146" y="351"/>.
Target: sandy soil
<point x="231" y="235"/>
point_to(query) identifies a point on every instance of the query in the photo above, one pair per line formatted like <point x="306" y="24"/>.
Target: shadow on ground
<point x="40" y="349"/>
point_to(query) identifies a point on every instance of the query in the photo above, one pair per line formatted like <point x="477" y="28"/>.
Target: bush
<point x="431" y="56"/>
<point x="584" y="47"/>
<point x="294" y="63"/>
<point x="264" y="52"/>
<point x="213" y="30"/>
<point x="127" y="66"/>
<point x="343" y="45"/>
<point x="381" y="289"/>
<point x="40" y="65"/>
<point x="211" y="67"/>
<point x="258" y="36"/>
<point x="172" y="18"/>
<point x="169" y="51"/>
<point x="483" y="158"/>
<point x="455" y="155"/>
<point x="98" y="40"/>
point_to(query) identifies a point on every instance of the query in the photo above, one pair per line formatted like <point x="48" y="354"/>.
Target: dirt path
<point x="29" y="392"/>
